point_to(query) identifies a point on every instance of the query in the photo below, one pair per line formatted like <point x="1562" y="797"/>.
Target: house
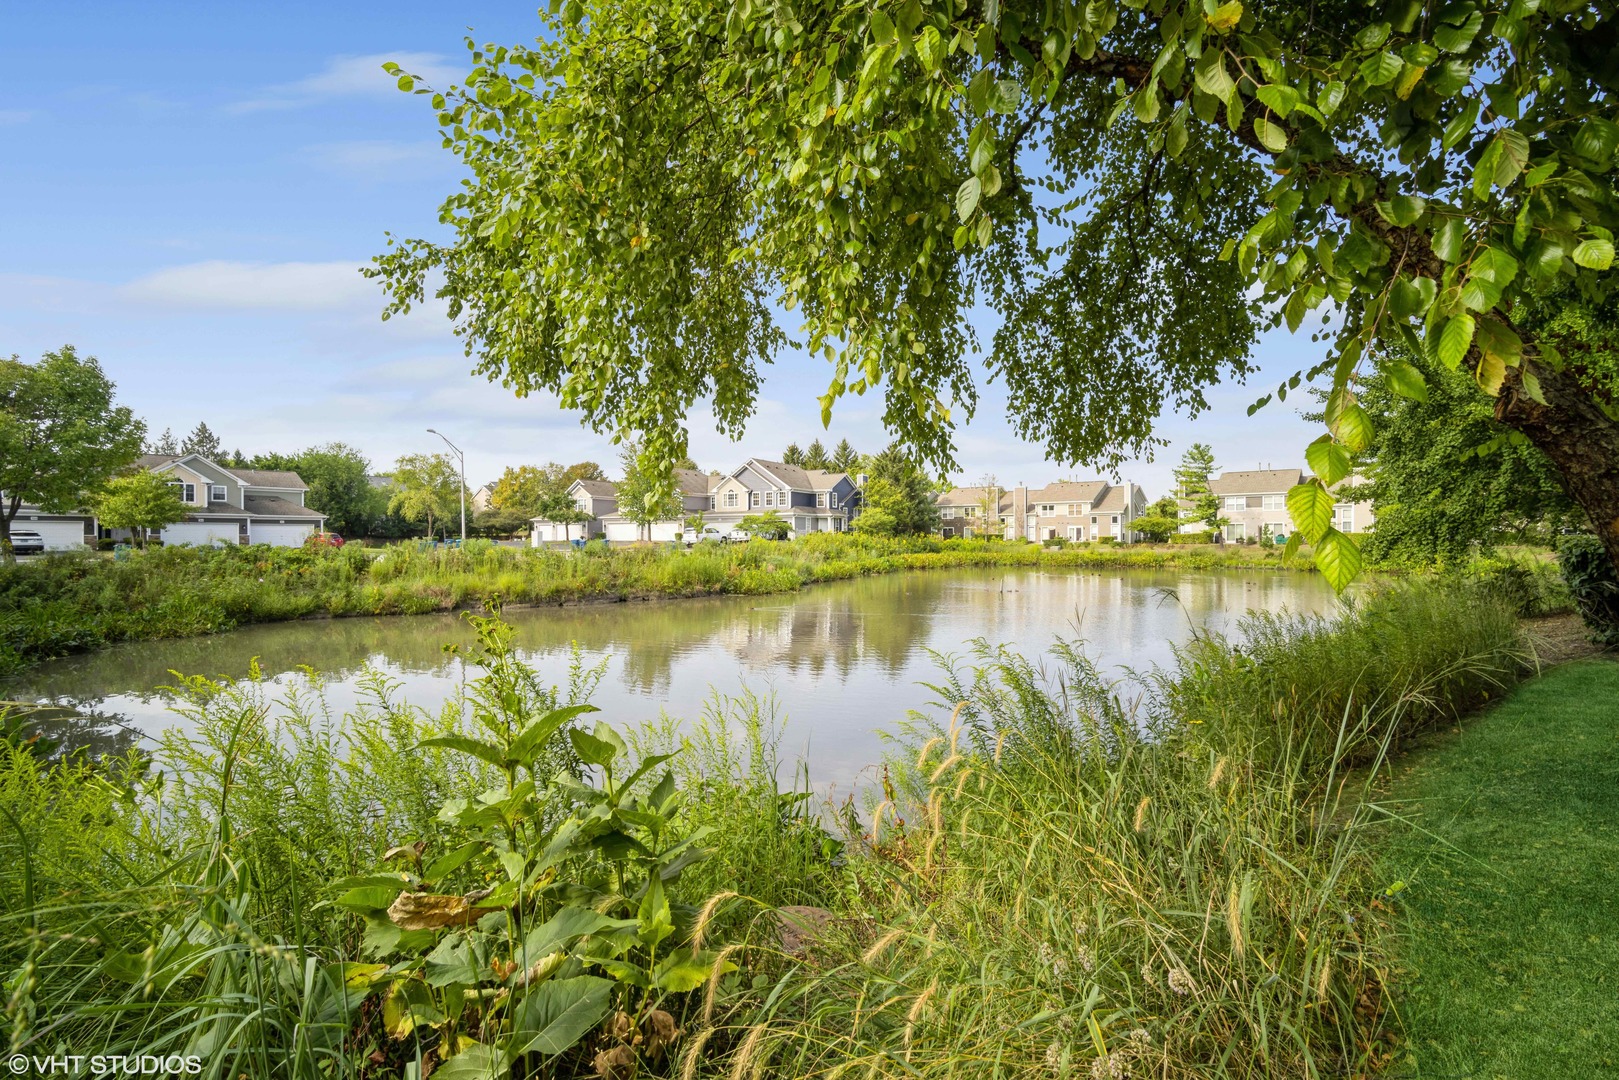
<point x="598" y="498"/>
<point x="808" y="500"/>
<point x="693" y="487"/>
<point x="1255" y="502"/>
<point x="235" y="506"/>
<point x="479" y="501"/>
<point x="1072" y="510"/>
<point x="61" y="532"/>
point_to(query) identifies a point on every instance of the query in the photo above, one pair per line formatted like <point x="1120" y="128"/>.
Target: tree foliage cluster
<point x="898" y="499"/>
<point x="1136" y="189"/>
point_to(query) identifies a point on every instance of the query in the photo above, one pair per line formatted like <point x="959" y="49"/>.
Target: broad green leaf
<point x="1353" y="427"/>
<point x="1500" y="342"/>
<point x="1327" y="459"/>
<point x="1460" y="125"/>
<point x="1005" y="96"/>
<point x="1405" y="379"/>
<point x="1211" y="75"/>
<point x="1455" y="339"/>
<point x="1402" y="210"/>
<point x="1449" y="238"/>
<point x="450" y="962"/>
<point x="476" y="747"/>
<point x="1597" y="139"/>
<point x="882" y="28"/>
<point x="1226" y="16"/>
<point x="451" y="861"/>
<point x="591" y="750"/>
<point x="477" y="1062"/>
<point x="1594" y="254"/>
<point x="555" y="1015"/>
<point x="1338" y="559"/>
<point x="534" y="737"/>
<point x="1272" y="136"/>
<point x="683" y="971"/>
<point x="967" y="197"/>
<point x="1310" y="506"/>
<point x="564" y="928"/>
<point x="1381" y="69"/>
<point x="1491" y="373"/>
<point x="655" y="922"/>
<point x="1456" y="38"/>
<point x="1514" y="156"/>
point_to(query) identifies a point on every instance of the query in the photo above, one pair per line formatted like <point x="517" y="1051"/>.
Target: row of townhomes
<point x="228" y="506"/>
<point x="808" y="500"/>
<point x="1075" y="510"/>
<point x="1255" y="504"/>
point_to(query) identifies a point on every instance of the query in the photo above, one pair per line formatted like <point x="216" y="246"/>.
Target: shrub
<point x="1204" y="537"/>
<point x="1589" y="574"/>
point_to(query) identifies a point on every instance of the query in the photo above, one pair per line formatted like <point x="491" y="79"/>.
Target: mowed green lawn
<point x="1509" y="966"/>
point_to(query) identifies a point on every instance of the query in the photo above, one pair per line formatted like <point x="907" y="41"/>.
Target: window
<point x="820" y="498"/>
<point x="1275" y="502"/>
<point x="1047" y="509"/>
<point x="1236" y="502"/>
<point x="188" y="492"/>
<point x="969" y="511"/>
<point x="1344" y="517"/>
<point x="1115" y="519"/>
<point x="1093" y="522"/>
<point x="1235" y="531"/>
<point x="833" y="498"/>
<point x="947" y="532"/>
<point x="216" y="493"/>
<point x="948" y="512"/>
<point x="753" y="498"/>
<point x="1073" y="509"/>
<point x="712" y="502"/>
<point x="730" y="498"/>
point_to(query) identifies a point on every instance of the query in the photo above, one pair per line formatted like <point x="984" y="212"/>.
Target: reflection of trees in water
<point x="73" y="725"/>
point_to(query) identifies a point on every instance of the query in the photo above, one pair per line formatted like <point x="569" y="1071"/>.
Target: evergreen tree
<point x="792" y="455"/>
<point x="1197" y="502"/>
<point x="844" y="458"/>
<point x="898" y="499"/>
<point x="201" y="441"/>
<point x="815" y="457"/>
<point x="166" y="443"/>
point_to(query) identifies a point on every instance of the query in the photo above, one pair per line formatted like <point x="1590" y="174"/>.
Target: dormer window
<point x="216" y="492"/>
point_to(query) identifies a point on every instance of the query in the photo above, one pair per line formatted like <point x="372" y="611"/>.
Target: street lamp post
<point x="463" y="459"/>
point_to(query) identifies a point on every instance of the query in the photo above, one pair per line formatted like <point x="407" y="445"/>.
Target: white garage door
<point x="664" y="531"/>
<point x="278" y="535"/>
<point x="201" y="533"/>
<point x="622" y="532"/>
<point x="58" y="535"/>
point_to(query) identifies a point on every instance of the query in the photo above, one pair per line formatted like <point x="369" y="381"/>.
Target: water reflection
<point x="844" y="659"/>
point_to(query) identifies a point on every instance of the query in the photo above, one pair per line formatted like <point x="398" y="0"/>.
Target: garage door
<point x="278" y="535"/>
<point x="664" y="531"/>
<point x="200" y="533"/>
<point x="622" y="532"/>
<point x="58" y="535"/>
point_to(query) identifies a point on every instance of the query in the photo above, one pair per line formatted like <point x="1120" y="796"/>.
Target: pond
<point x="843" y="660"/>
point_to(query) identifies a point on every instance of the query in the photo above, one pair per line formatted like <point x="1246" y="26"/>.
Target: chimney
<point x="1020" y="512"/>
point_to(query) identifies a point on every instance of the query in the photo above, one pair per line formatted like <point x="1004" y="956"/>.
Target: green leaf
<point x="1402" y="210"/>
<point x="477" y="1062"/>
<point x="1491" y="373"/>
<point x="1353" y="427"/>
<point x="1338" y="559"/>
<point x="1272" y="136"/>
<point x="1005" y="96"/>
<point x="476" y="747"/>
<point x="534" y="737"/>
<point x="1455" y="39"/>
<point x="683" y="971"/>
<point x="1380" y="70"/>
<point x="451" y="861"/>
<point x="1449" y="238"/>
<point x="555" y="1015"/>
<point x="655" y="922"/>
<point x="1594" y="254"/>
<point x="1460" y="125"/>
<point x="1327" y="459"/>
<point x="564" y="928"/>
<point x="450" y="962"/>
<point x="1310" y="506"/>
<point x="1226" y="17"/>
<point x="1455" y="339"/>
<point x="1211" y="76"/>
<point x="1404" y="379"/>
<point x="882" y="28"/>
<point x="591" y="750"/>
<point x="1500" y="342"/>
<point x="1597" y="139"/>
<point x="967" y="197"/>
<point x="1514" y="156"/>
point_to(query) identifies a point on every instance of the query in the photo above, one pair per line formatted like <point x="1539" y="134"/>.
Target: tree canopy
<point x="139" y="501"/>
<point x="339" y="479"/>
<point x="427" y="487"/>
<point x="61" y="436"/>
<point x="1136" y="189"/>
<point x="525" y="488"/>
<point x="898" y="497"/>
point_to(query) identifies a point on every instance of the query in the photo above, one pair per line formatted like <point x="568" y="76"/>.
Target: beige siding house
<point x="235" y="506"/>
<point x="1072" y="510"/>
<point x="598" y="498"/>
<point x="1255" y="502"/>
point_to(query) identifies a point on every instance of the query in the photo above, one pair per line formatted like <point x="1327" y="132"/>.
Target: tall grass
<point x="66" y="604"/>
<point x="1056" y="879"/>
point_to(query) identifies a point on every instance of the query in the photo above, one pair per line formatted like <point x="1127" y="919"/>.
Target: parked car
<point x="24" y="542"/>
<point x="711" y="533"/>
<point x="325" y="539"/>
<point x="738" y="536"/>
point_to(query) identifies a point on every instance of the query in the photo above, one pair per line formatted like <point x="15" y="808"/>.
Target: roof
<point x="974" y="496"/>
<point x="596" y="487"/>
<point x="273" y="478"/>
<point x="1256" y="481"/>
<point x="1070" y="491"/>
<point x="275" y="506"/>
<point x="803" y="479"/>
<point x="1114" y="501"/>
<point x="691" y="481"/>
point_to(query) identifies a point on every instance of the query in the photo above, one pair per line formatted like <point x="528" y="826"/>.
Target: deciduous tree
<point x="426" y="487"/>
<point x="1161" y="521"/>
<point x="61" y="436"/>
<point x="898" y="498"/>
<point x="339" y="479"/>
<point x="139" y="501"/>
<point x="1136" y="190"/>
<point x="643" y="497"/>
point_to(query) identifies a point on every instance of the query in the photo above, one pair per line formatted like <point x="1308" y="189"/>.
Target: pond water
<point x="843" y="660"/>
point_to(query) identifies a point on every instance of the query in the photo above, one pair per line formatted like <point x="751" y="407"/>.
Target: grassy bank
<point x="1508" y="955"/>
<point x="60" y="605"/>
<point x="1053" y="883"/>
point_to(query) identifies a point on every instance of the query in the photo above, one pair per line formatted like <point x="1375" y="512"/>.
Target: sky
<point x="188" y="189"/>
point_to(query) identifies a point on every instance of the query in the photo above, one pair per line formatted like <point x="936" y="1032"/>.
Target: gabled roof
<point x="599" y="488"/>
<point x="1256" y="482"/>
<point x="273" y="478"/>
<point x="974" y="496"/>
<point x="1070" y="491"/>
<point x="1114" y="502"/>
<point x="793" y="476"/>
<point x="691" y="481"/>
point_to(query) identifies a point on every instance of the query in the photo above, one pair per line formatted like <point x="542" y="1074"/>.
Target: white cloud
<point x="291" y="286"/>
<point x="353" y="76"/>
<point x="378" y="159"/>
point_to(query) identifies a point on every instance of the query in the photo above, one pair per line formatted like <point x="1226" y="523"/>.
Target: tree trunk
<point x="1579" y="439"/>
<point x="8" y="513"/>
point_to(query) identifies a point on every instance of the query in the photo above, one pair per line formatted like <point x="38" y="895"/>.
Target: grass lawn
<point x="1509" y="963"/>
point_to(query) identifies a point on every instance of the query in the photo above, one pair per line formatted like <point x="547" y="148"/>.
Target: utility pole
<point x="463" y="459"/>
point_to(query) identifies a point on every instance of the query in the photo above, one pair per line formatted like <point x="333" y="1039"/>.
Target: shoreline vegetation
<point x="62" y="605"/>
<point x="1051" y="881"/>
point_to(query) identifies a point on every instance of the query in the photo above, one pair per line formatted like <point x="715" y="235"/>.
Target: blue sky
<point x="188" y="189"/>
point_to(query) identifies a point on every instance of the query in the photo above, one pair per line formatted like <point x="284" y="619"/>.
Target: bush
<point x="1591" y="581"/>
<point x="1204" y="537"/>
